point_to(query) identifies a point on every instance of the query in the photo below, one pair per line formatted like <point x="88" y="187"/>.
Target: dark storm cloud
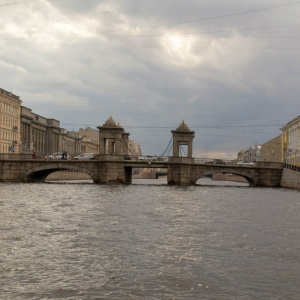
<point x="219" y="65"/>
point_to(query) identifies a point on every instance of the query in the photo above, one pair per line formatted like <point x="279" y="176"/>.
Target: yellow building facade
<point x="272" y="150"/>
<point x="291" y="139"/>
<point x="10" y="122"/>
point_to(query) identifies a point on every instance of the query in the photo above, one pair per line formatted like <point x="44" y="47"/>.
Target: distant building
<point x="90" y="140"/>
<point x="291" y="141"/>
<point x="252" y="154"/>
<point x="273" y="150"/>
<point x="23" y="131"/>
<point x="39" y="133"/>
<point x="45" y="136"/>
<point x="10" y="123"/>
<point x="134" y="149"/>
<point x="283" y="148"/>
<point x="258" y="153"/>
<point x="70" y="142"/>
<point x="242" y="154"/>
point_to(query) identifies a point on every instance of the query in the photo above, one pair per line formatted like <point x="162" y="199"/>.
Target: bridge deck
<point x="145" y="164"/>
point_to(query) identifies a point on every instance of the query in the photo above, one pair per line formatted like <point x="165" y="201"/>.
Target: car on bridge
<point x="126" y="156"/>
<point x="85" y="156"/>
<point x="148" y="157"/>
<point x="245" y="163"/>
<point x="59" y="155"/>
<point x="216" y="161"/>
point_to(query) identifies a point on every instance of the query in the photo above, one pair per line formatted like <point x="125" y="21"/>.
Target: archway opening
<point x="68" y="176"/>
<point x="55" y="174"/>
<point x="223" y="179"/>
<point x="155" y="176"/>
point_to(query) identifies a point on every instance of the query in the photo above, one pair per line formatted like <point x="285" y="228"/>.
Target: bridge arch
<point x="234" y="171"/>
<point x="40" y="173"/>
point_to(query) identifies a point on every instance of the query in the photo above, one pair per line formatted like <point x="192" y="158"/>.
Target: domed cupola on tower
<point x="110" y="137"/>
<point x="110" y="122"/>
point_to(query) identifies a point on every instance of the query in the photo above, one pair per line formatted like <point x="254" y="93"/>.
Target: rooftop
<point x="10" y="94"/>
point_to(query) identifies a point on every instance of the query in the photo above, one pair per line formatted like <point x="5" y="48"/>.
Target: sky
<point x="228" y="68"/>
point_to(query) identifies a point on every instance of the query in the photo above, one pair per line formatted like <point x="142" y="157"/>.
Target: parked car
<point x="245" y="163"/>
<point x="59" y="155"/>
<point x="126" y="156"/>
<point x="85" y="156"/>
<point x="216" y="161"/>
<point x="147" y="157"/>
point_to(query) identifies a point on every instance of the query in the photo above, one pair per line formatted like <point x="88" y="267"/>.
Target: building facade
<point x="291" y="141"/>
<point x="134" y="149"/>
<point x="273" y="150"/>
<point x="39" y="133"/>
<point x="70" y="142"/>
<point x="242" y="155"/>
<point x="252" y="154"/>
<point x="90" y="140"/>
<point x="10" y="112"/>
<point x="22" y="131"/>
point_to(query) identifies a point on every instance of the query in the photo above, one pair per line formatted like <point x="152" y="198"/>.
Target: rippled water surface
<point x="85" y="241"/>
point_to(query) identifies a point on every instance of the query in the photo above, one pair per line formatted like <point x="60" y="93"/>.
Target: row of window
<point x="4" y="149"/>
<point x="294" y="139"/>
<point x="9" y="121"/>
<point x="8" y="136"/>
<point x="7" y="148"/>
<point x="9" y="107"/>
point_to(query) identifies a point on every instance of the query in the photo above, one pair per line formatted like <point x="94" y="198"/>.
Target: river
<point x="148" y="241"/>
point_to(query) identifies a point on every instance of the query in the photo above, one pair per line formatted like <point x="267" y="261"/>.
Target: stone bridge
<point x="110" y="166"/>
<point x="262" y="174"/>
<point x="110" y="170"/>
<point x="107" y="170"/>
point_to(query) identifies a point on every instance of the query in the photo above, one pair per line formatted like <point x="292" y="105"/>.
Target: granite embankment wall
<point x="290" y="179"/>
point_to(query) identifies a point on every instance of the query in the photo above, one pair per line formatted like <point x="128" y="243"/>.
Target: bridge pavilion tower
<point x="111" y="136"/>
<point x="183" y="136"/>
<point x="180" y="167"/>
<point x="113" y="142"/>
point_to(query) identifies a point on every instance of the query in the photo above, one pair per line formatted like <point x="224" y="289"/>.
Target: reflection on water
<point x="145" y="241"/>
<point x="159" y="181"/>
<point x="208" y="181"/>
<point x="162" y="180"/>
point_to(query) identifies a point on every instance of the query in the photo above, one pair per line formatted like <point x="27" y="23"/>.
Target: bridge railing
<point x="12" y="156"/>
<point x="292" y="167"/>
<point x="201" y="160"/>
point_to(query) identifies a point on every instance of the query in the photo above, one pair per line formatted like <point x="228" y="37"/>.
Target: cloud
<point x="150" y="66"/>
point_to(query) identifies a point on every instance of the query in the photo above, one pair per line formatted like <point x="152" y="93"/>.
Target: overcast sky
<point x="228" y="68"/>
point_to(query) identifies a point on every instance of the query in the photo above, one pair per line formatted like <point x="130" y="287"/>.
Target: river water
<point x="148" y="241"/>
